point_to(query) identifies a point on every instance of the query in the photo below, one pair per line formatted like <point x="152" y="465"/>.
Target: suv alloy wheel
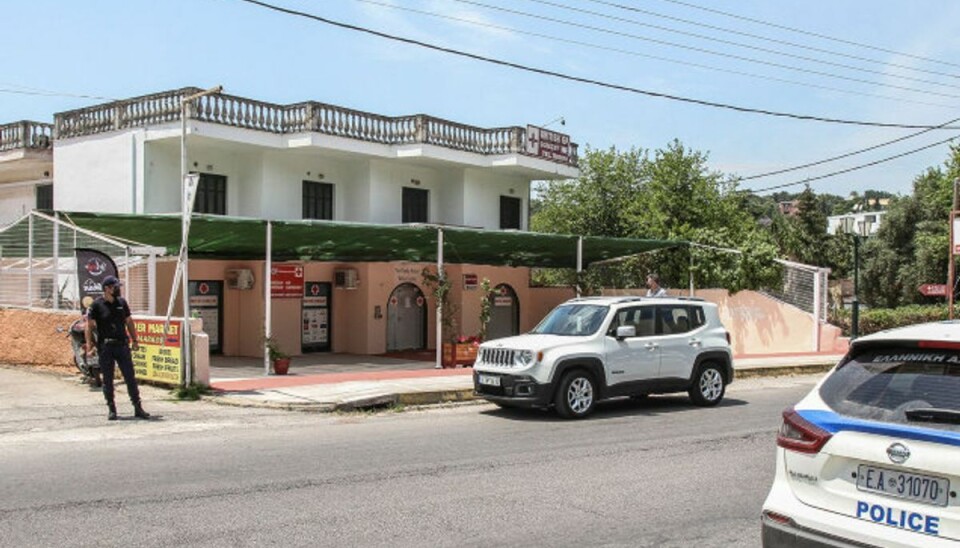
<point x="708" y="386"/>
<point x="577" y="395"/>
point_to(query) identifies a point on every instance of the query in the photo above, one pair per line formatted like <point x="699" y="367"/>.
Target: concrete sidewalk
<point x="312" y="388"/>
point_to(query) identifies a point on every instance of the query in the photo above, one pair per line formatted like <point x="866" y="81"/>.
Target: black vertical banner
<point x="92" y="267"/>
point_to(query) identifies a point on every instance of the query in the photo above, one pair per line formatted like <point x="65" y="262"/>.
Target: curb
<point x="782" y="371"/>
<point x="233" y="401"/>
<point x="463" y="395"/>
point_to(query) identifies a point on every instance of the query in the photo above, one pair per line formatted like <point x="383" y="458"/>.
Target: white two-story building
<point x="309" y="160"/>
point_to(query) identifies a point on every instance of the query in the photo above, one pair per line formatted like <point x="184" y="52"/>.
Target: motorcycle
<point x="88" y="362"/>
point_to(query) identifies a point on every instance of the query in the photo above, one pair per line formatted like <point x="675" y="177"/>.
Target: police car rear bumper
<point x="782" y="535"/>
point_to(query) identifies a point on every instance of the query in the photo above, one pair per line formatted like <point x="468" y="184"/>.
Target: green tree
<point x="672" y="196"/>
<point x="911" y="246"/>
<point x="592" y="204"/>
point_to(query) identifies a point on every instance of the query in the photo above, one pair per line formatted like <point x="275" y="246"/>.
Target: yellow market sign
<point x="159" y="358"/>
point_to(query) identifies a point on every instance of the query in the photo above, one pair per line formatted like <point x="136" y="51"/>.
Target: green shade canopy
<point x="218" y="237"/>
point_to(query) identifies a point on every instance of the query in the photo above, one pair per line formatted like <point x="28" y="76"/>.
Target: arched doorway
<point x="406" y="319"/>
<point x="504" y="313"/>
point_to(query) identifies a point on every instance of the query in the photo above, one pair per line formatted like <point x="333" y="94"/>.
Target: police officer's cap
<point x="111" y="280"/>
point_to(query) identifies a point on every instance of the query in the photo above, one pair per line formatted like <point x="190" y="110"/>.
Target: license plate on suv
<point x="903" y="485"/>
<point x="488" y="380"/>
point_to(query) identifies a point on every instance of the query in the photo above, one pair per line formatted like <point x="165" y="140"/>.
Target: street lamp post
<point x="858" y="229"/>
<point x="186" y="208"/>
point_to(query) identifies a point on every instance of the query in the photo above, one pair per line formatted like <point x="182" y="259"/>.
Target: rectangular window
<point x="673" y="319"/>
<point x="317" y="200"/>
<point x="415" y="205"/>
<point x="211" y="194"/>
<point x="45" y="197"/>
<point x="509" y="212"/>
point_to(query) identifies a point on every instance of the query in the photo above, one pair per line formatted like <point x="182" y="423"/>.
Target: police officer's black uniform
<point x="113" y="347"/>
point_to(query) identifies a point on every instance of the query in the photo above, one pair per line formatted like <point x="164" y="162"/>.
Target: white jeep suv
<point x="596" y="348"/>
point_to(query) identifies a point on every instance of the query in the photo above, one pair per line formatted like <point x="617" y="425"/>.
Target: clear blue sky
<point x="123" y="48"/>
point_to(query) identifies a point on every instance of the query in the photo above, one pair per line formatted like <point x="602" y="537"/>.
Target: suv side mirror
<point x="625" y="331"/>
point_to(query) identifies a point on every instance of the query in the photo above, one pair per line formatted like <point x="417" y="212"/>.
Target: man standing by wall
<point x="110" y="316"/>
<point x="653" y="286"/>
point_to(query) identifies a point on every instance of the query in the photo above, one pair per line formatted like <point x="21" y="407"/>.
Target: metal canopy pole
<point x="56" y="261"/>
<point x="267" y="295"/>
<point x="817" y="306"/>
<point x="440" y="280"/>
<point x="579" y="262"/>
<point x="30" y="261"/>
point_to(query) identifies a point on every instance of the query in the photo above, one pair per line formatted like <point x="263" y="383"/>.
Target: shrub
<point x="873" y="320"/>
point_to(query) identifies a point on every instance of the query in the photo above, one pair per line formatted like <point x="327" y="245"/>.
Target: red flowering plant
<point x="475" y="340"/>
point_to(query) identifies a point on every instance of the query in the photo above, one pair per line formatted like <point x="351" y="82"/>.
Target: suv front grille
<point x="497" y="356"/>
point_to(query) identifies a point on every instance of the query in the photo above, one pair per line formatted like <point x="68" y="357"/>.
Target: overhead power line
<point x="701" y="50"/>
<point x="483" y="24"/>
<point x="848" y="170"/>
<point x="770" y="39"/>
<point x="23" y="90"/>
<point x="583" y="80"/>
<point x="809" y="33"/>
<point x="842" y="156"/>
<point x="738" y="44"/>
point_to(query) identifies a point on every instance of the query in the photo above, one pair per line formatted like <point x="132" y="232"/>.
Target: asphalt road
<point x="656" y="473"/>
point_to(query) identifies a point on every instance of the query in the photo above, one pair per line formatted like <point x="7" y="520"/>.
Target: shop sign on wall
<point x="547" y="144"/>
<point x="156" y="361"/>
<point x="286" y="281"/>
<point x="407" y="274"/>
<point x="470" y="281"/>
<point x="316" y="316"/>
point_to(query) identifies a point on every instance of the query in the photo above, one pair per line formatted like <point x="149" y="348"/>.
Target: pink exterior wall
<point x="354" y="327"/>
<point x="757" y="324"/>
<point x="760" y="325"/>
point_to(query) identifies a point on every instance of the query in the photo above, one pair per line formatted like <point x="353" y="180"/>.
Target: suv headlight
<point x="525" y="358"/>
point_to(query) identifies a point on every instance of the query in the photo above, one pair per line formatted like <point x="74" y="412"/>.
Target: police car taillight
<point x="939" y="345"/>
<point x="796" y="434"/>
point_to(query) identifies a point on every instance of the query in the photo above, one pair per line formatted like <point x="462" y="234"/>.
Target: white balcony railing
<point x="309" y="116"/>
<point x="25" y="135"/>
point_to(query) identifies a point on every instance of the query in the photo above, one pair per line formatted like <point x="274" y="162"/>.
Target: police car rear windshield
<point x="572" y="320"/>
<point x="902" y="385"/>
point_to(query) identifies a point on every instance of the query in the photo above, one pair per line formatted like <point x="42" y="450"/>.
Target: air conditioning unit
<point x="346" y="278"/>
<point x="240" y="278"/>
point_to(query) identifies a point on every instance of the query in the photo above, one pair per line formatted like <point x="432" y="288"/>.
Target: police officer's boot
<point x="139" y="412"/>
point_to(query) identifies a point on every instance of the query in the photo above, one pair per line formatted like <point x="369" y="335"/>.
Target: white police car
<point x="871" y="456"/>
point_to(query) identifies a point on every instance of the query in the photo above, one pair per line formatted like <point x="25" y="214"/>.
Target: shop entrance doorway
<point x="504" y="314"/>
<point x="406" y="319"/>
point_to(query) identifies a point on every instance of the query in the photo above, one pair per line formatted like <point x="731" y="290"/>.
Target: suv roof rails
<point x="632" y="298"/>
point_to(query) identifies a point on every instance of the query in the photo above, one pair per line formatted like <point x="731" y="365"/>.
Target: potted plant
<point x="462" y="351"/>
<point x="280" y="360"/>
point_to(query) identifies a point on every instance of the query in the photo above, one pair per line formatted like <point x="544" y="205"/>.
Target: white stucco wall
<point x="482" y="198"/>
<point x="16" y="201"/>
<point x="387" y="180"/>
<point x="283" y="176"/>
<point x="139" y="171"/>
<point x="97" y="173"/>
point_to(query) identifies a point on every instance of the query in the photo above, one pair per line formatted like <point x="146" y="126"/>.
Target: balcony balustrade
<point x="25" y="135"/>
<point x="311" y="116"/>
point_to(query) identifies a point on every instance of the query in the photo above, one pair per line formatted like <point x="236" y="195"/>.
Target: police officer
<point x="110" y="316"/>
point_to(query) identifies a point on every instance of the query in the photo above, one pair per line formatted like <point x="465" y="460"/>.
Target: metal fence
<point x="38" y="267"/>
<point x="803" y="286"/>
